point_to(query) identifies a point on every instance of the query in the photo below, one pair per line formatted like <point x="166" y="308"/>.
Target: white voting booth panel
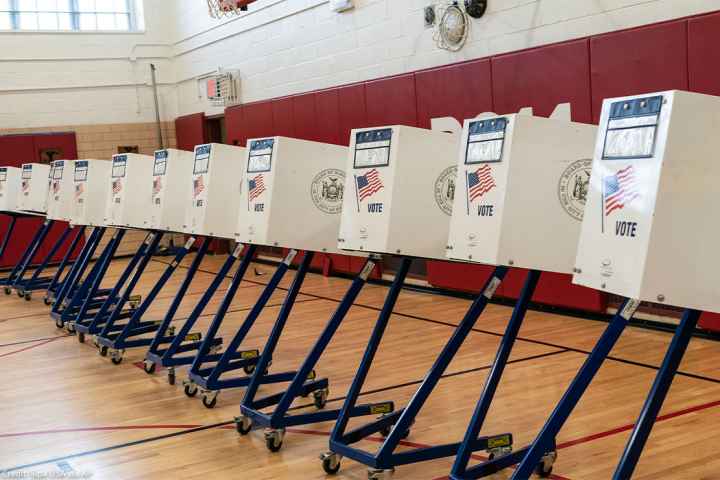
<point x="649" y="228"/>
<point x="10" y="189"/>
<point x="90" y="194"/>
<point x="130" y="190"/>
<point x="61" y="190"/>
<point x="34" y="187"/>
<point x="521" y="186"/>
<point x="216" y="183"/>
<point x="292" y="195"/>
<point x="396" y="191"/>
<point x="171" y="190"/>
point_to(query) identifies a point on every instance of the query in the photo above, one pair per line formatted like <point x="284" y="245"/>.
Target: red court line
<point x="36" y="345"/>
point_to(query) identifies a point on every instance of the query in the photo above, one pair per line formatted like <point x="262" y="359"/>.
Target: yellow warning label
<point x="135" y="298"/>
<point x="249" y="354"/>
<point x="193" y="337"/>
<point x="381" y="408"/>
<point x="499" y="441"/>
<point x="312" y="375"/>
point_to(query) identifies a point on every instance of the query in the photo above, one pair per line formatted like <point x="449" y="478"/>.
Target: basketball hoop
<point x="227" y="8"/>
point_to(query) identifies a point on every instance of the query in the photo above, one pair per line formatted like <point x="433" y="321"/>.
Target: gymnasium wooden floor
<point x="66" y="409"/>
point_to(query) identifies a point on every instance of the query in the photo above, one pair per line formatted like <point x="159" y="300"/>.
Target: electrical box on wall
<point x="397" y="191"/>
<point x="130" y="190"/>
<point x="217" y="177"/>
<point x="34" y="188"/>
<point x="341" y="5"/>
<point x="171" y="190"/>
<point x="10" y="189"/>
<point x="649" y="221"/>
<point x="90" y="195"/>
<point x="288" y="178"/>
<point x="60" y="194"/>
<point x="521" y="189"/>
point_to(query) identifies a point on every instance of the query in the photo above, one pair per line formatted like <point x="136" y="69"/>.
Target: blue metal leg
<point x="44" y="231"/>
<point x="657" y="395"/>
<point x="8" y="235"/>
<point x="154" y="355"/>
<point x="168" y="358"/>
<point x="139" y="269"/>
<point x="545" y="441"/>
<point x="493" y="380"/>
<point x="274" y="338"/>
<point x="299" y="385"/>
<point x="35" y="282"/>
<point x="55" y="282"/>
<point x="74" y="276"/>
<point x="26" y="257"/>
<point x="211" y="382"/>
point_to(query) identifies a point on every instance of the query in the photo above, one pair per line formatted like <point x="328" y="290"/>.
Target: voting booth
<point x="61" y="190"/>
<point x="390" y="195"/>
<point x="217" y="177"/>
<point x="34" y="188"/>
<point x="10" y="180"/>
<point x="654" y="172"/>
<point x="90" y="192"/>
<point x="130" y="190"/>
<point x="521" y="184"/>
<point x="288" y="178"/>
<point x="171" y="190"/>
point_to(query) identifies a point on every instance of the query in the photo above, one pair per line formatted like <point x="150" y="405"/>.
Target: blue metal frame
<point x="399" y="422"/>
<point x="92" y="322"/>
<point x="208" y="378"/>
<point x="36" y="282"/>
<point x="8" y="233"/>
<point x="170" y="357"/>
<point x="304" y="382"/>
<point x="66" y="290"/>
<point x="87" y="294"/>
<point x="544" y="444"/>
<point x="658" y="392"/>
<point x="26" y="257"/>
<point x="56" y="281"/>
<point x="35" y="248"/>
<point x="136" y="326"/>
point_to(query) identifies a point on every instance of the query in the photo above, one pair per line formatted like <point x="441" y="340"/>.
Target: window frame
<point x="75" y="13"/>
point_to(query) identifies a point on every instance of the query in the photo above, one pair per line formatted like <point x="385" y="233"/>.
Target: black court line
<point x="231" y="422"/>
<point x="34" y="340"/>
<point x="497" y="334"/>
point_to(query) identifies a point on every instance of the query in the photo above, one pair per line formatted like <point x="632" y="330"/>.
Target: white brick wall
<point x="280" y="47"/>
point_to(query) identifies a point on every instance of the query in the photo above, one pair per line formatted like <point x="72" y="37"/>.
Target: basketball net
<point x="225" y="8"/>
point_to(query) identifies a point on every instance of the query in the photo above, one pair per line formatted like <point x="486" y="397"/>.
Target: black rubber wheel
<point x="329" y="468"/>
<point x="491" y="457"/>
<point x="7" y="290"/>
<point x="242" y="430"/>
<point x="59" y="323"/>
<point x="103" y="351"/>
<point x="540" y="470"/>
<point x="81" y="337"/>
<point x="171" y="378"/>
<point x="209" y="403"/>
<point x="20" y="293"/>
<point x="272" y="446"/>
<point x="249" y="369"/>
<point x="28" y="296"/>
<point x="47" y="301"/>
<point x="149" y="367"/>
<point x="116" y="360"/>
<point x="320" y="401"/>
<point x="190" y="392"/>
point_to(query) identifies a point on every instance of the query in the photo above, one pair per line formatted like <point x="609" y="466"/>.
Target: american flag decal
<point x="256" y="186"/>
<point x="116" y="187"/>
<point x="25" y="185"/>
<point x="157" y="185"/>
<point x="78" y="189"/>
<point x="480" y="182"/>
<point x="56" y="187"/>
<point x="198" y="186"/>
<point x="619" y="189"/>
<point x="368" y="184"/>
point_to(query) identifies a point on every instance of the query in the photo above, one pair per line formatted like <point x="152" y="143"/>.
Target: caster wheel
<point x="149" y="367"/>
<point x="545" y="467"/>
<point x="70" y="327"/>
<point x="171" y="376"/>
<point x="378" y="474"/>
<point x="47" y="301"/>
<point x="7" y="290"/>
<point x="116" y="357"/>
<point x="20" y="293"/>
<point x="386" y="432"/>
<point x="171" y="331"/>
<point x="59" y="323"/>
<point x="243" y="425"/>
<point x="28" y="296"/>
<point x="209" y="400"/>
<point x="81" y="337"/>
<point x="190" y="389"/>
<point x="249" y="369"/>
<point x="330" y="462"/>
<point x="103" y="351"/>
<point x="320" y="398"/>
<point x="274" y="440"/>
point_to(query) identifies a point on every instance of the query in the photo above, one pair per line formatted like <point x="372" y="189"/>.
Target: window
<point x="71" y="15"/>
